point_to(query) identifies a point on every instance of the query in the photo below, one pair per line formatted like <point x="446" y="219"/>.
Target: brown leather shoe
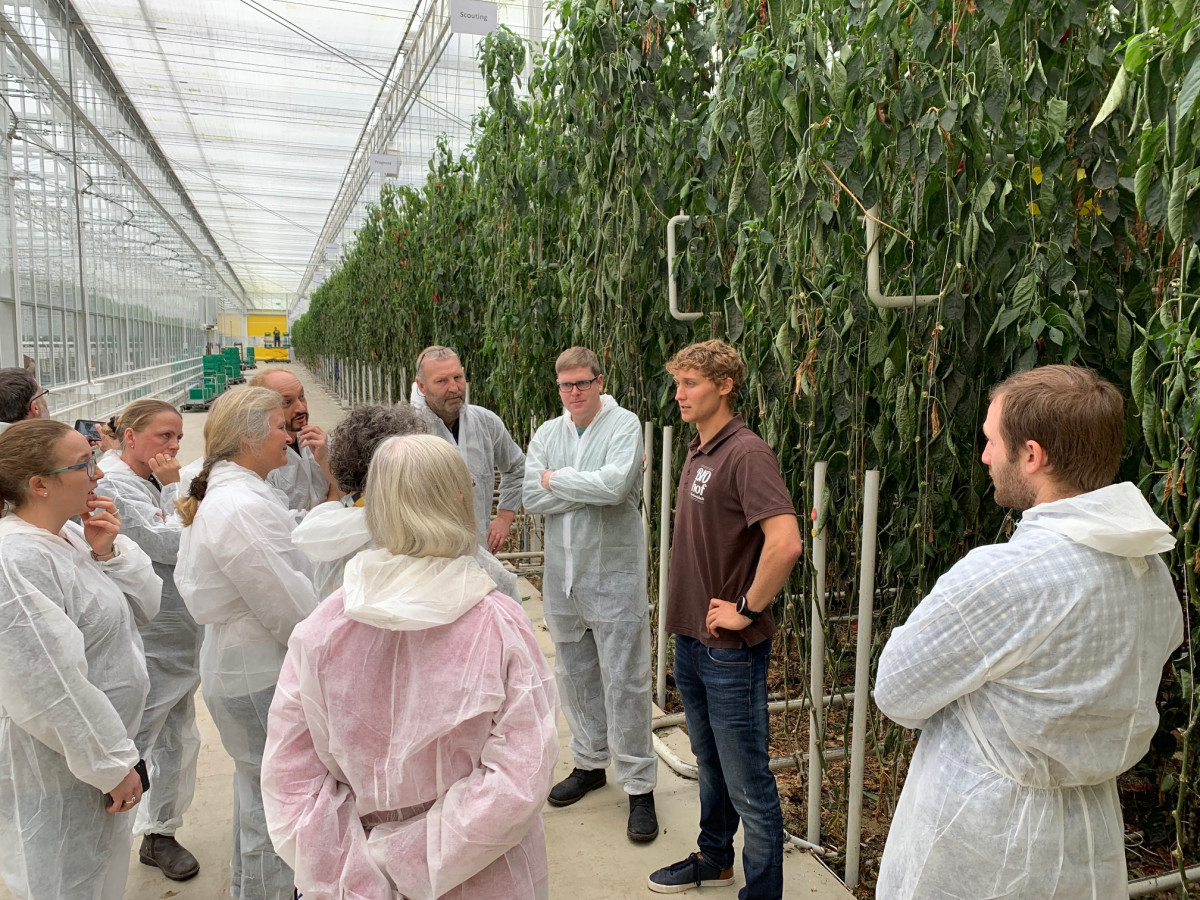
<point x="167" y="854"/>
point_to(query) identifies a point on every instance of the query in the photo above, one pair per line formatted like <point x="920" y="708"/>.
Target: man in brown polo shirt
<point x="735" y="542"/>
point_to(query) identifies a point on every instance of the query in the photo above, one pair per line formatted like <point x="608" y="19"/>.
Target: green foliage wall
<point x="1034" y="163"/>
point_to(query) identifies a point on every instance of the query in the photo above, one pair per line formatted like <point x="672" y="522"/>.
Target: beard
<point x="1010" y="489"/>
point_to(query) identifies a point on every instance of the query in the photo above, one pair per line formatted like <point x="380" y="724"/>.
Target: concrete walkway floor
<point x="590" y="857"/>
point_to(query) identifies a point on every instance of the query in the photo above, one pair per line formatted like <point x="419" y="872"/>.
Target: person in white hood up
<point x="72" y="675"/>
<point x="245" y="582"/>
<point x="334" y="531"/>
<point x="412" y="739"/>
<point x="584" y="472"/>
<point x="1032" y="667"/>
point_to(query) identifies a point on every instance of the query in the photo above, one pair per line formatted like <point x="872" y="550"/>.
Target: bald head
<point x="287" y="386"/>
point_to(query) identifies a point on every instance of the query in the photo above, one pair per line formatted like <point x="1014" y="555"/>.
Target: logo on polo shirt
<point x="700" y="482"/>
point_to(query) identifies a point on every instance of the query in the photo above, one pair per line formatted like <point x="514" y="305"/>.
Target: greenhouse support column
<point x="371" y="385"/>
<point x="389" y="388"/>
<point x="664" y="563"/>
<point x="862" y="674"/>
<point x="12" y="234"/>
<point x="816" y="715"/>
<point x="78" y="196"/>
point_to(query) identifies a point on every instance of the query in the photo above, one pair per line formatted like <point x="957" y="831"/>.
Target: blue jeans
<point x="724" y="695"/>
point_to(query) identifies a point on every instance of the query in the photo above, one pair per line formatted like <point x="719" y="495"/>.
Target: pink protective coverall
<point x="412" y="739"/>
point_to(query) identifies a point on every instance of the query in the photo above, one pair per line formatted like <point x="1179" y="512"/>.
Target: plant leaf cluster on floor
<point x="1032" y="164"/>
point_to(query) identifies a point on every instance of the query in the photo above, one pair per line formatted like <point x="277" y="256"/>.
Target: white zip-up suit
<point x="168" y="737"/>
<point x="594" y="587"/>
<point x="1032" y="670"/>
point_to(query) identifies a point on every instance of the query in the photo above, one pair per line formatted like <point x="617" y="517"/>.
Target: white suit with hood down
<point x="594" y="587"/>
<point x="1032" y="669"/>
<point x="242" y="578"/>
<point x="485" y="445"/>
<point x="412" y="739"/>
<point x="72" y="689"/>
<point x="332" y="533"/>
<point x="168" y="736"/>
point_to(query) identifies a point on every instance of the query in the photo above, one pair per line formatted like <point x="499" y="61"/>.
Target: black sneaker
<point x="695" y="871"/>
<point x="643" y="823"/>
<point x="575" y="785"/>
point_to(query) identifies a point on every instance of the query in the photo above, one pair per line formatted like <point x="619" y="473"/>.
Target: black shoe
<point x="166" y="853"/>
<point x="643" y="823"/>
<point x="575" y="785"/>
<point x="695" y="871"/>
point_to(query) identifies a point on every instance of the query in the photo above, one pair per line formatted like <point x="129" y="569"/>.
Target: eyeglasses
<point x="90" y="465"/>
<point x="39" y="395"/>
<point x="565" y="387"/>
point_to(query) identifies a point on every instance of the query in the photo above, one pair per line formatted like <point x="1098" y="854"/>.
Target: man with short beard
<point x="306" y="478"/>
<point x="480" y="436"/>
<point x="1033" y="666"/>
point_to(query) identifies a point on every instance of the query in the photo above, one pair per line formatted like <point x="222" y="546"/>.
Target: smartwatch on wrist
<point x="743" y="609"/>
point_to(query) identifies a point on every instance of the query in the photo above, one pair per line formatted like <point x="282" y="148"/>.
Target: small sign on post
<point x="472" y="17"/>
<point x="333" y="251"/>
<point x="385" y="164"/>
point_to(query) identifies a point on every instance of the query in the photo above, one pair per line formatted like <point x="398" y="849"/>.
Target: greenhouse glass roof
<point x="265" y="110"/>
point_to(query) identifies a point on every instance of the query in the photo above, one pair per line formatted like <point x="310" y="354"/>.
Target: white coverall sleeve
<point x="611" y="483"/>
<point x="310" y="814"/>
<point x="43" y="680"/>
<point x="511" y="462"/>
<point x="156" y="530"/>
<point x="487" y="813"/>
<point x="134" y="574"/>
<point x="535" y="497"/>
<point x="280" y="595"/>
<point x="929" y="662"/>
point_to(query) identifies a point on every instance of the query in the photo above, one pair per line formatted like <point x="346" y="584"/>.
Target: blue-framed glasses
<point x="90" y="465"/>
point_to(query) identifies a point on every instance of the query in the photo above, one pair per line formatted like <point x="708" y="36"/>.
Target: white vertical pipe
<point x="664" y="564"/>
<point x="371" y="385"/>
<point x="389" y="388"/>
<point x="647" y="482"/>
<point x="816" y="714"/>
<point x="862" y="673"/>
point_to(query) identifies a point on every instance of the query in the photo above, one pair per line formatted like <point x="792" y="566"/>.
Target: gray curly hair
<point x="361" y="432"/>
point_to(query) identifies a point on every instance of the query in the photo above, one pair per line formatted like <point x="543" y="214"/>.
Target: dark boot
<point x="166" y="853"/>
<point x="643" y="822"/>
<point x="575" y="785"/>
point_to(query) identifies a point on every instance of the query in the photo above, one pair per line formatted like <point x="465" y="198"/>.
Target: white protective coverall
<point x="1032" y="669"/>
<point x="485" y="445"/>
<point x="332" y="533"/>
<point x="594" y="587"/>
<point x="242" y="578"/>
<point x="168" y="737"/>
<point x="302" y="479"/>
<point x="72" y="689"/>
<point x="412" y="739"/>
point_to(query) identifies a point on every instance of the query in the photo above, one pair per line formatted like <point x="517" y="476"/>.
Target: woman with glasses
<point x="242" y="578"/>
<point x="142" y="477"/>
<point x="412" y="738"/>
<point x="72" y="676"/>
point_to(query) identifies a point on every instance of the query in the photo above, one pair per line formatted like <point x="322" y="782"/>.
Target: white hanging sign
<point x="385" y="164"/>
<point x="332" y="251"/>
<point x="472" y="17"/>
<point x="318" y="278"/>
